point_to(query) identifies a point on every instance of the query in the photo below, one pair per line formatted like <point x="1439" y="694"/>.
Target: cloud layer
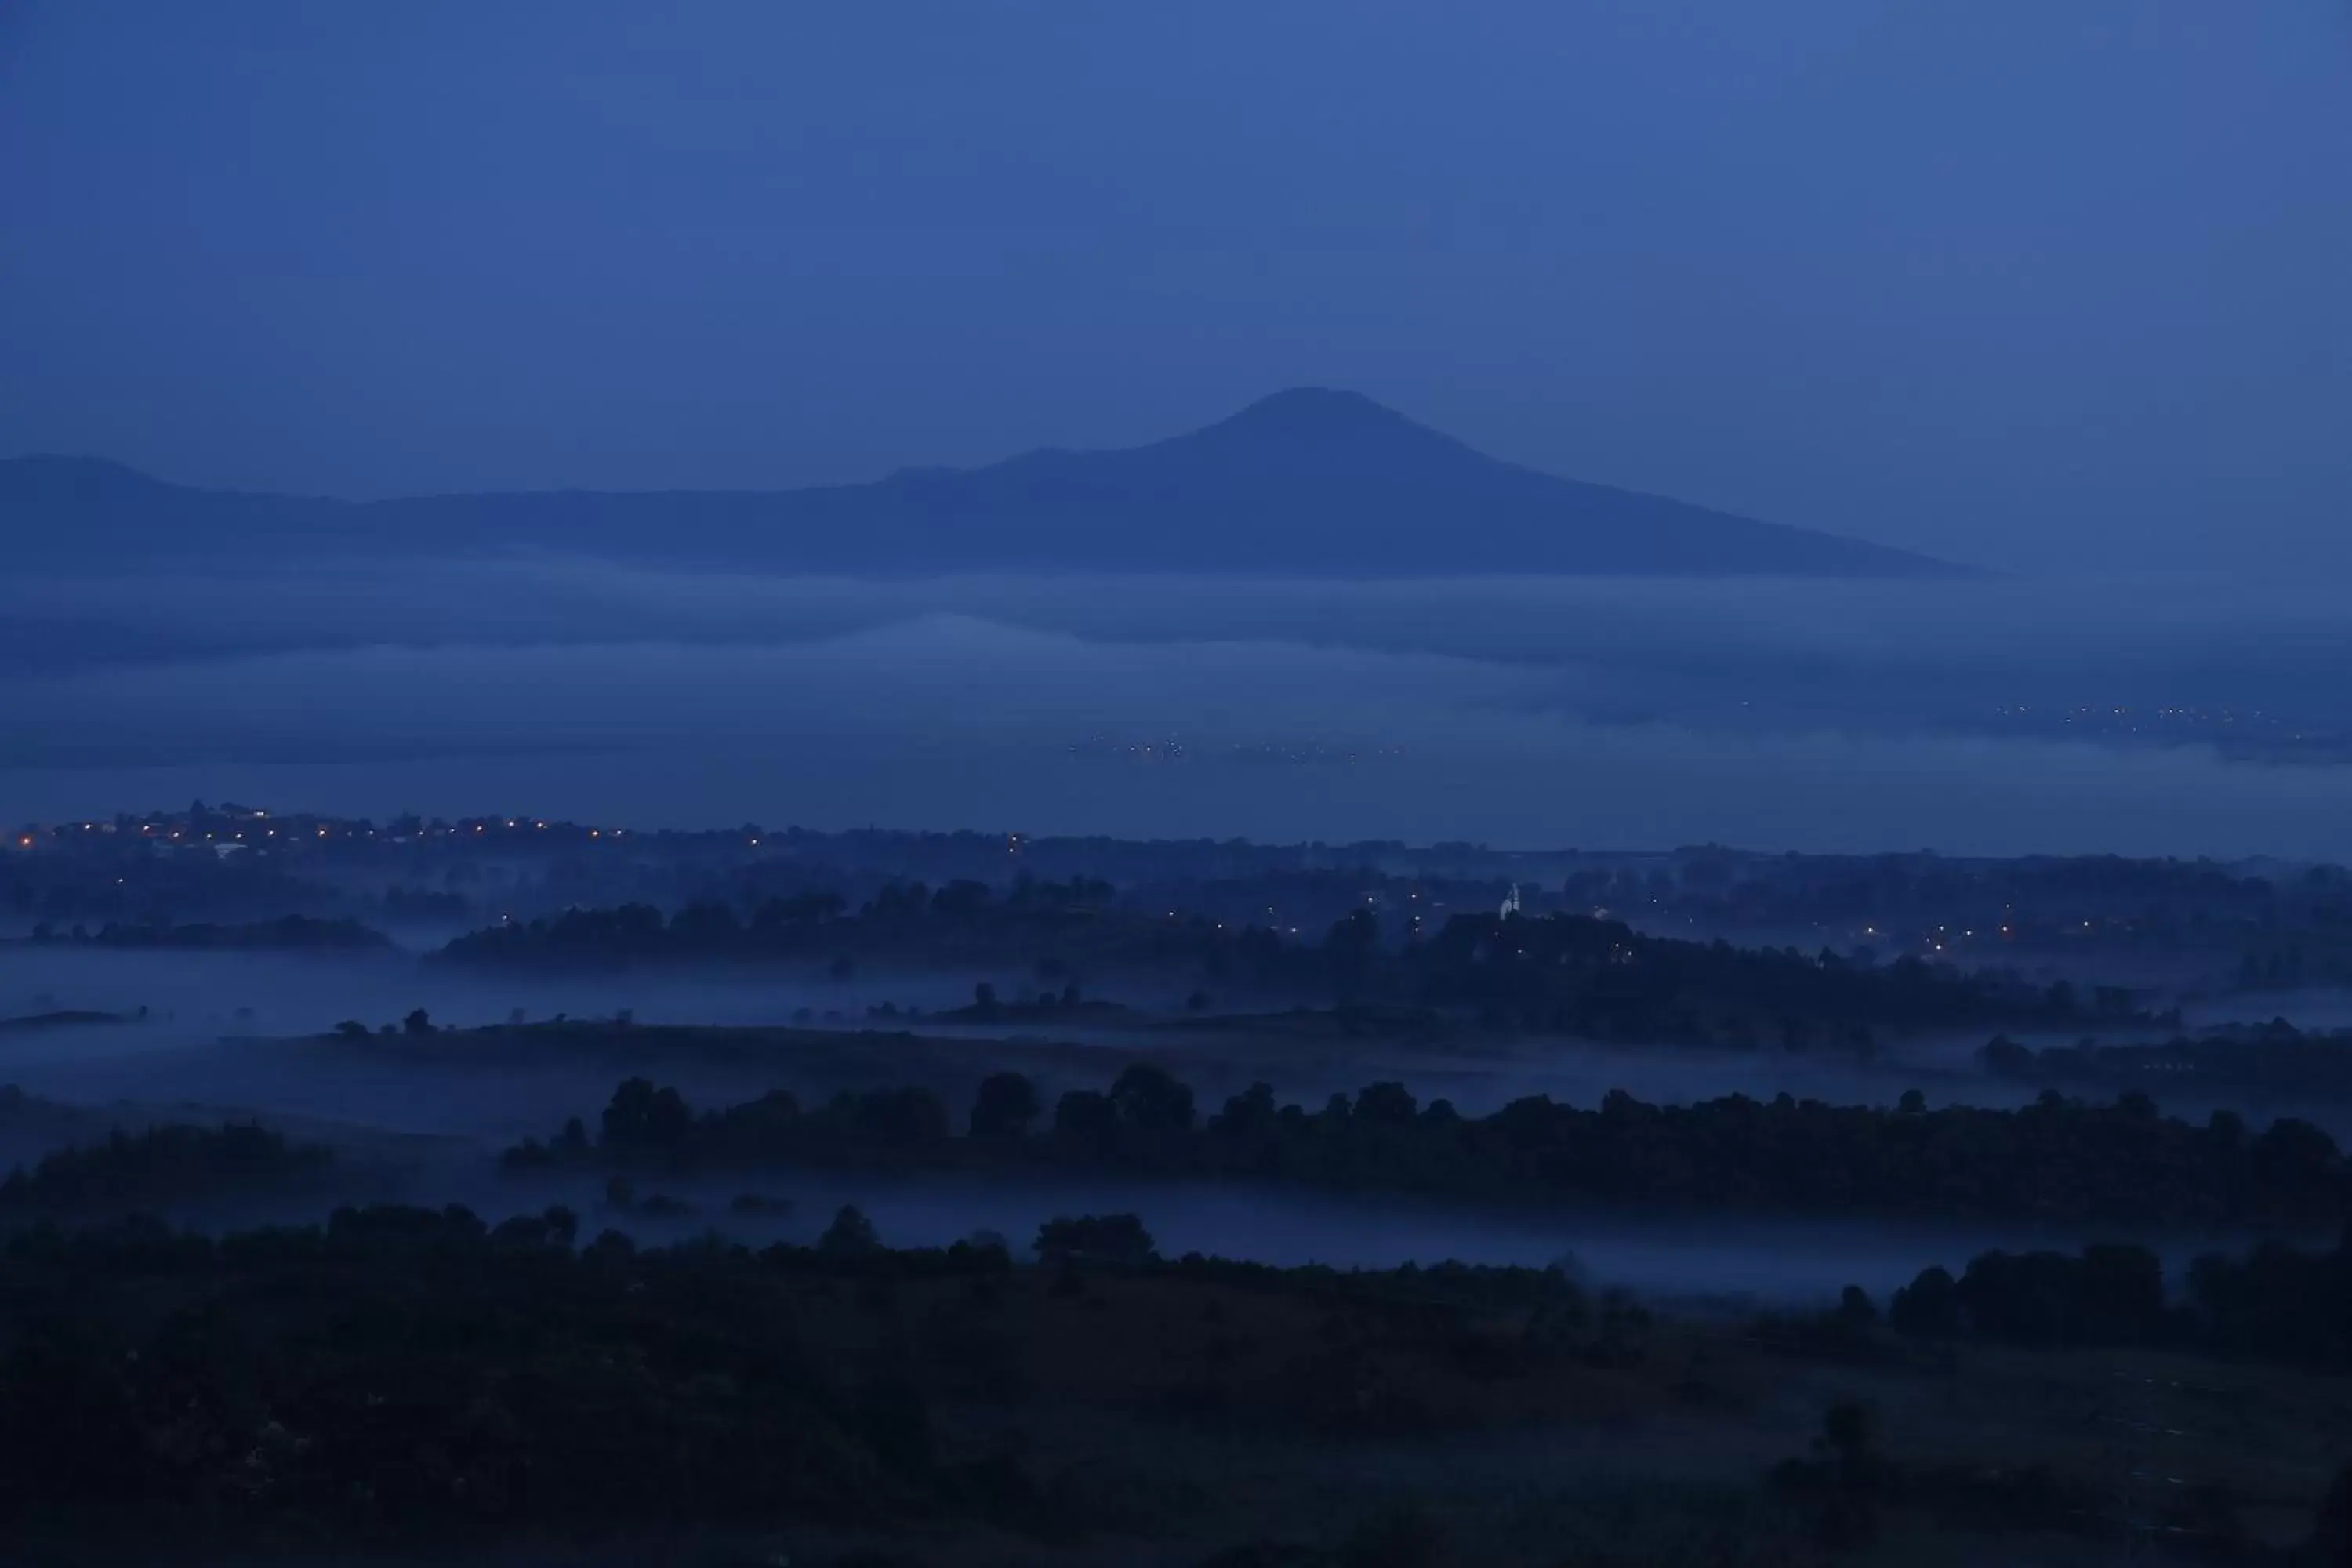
<point x="1587" y="712"/>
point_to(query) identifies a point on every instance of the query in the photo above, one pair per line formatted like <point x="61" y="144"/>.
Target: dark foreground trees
<point x="162" y="1166"/>
<point x="402" y="1374"/>
<point x="2274" y="1302"/>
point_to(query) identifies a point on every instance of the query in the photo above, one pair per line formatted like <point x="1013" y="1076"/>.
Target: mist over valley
<point x="1206" y="786"/>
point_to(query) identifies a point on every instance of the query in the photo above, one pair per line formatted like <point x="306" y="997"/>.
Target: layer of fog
<point x="496" y="1090"/>
<point x="1767" y="1259"/>
<point x="240" y="1030"/>
<point x="2309" y="1007"/>
<point x="421" y="1121"/>
<point x="1715" y="1257"/>
<point x="228" y="1027"/>
<point x="947" y="720"/>
<point x="2183" y="640"/>
<point x="201" y="995"/>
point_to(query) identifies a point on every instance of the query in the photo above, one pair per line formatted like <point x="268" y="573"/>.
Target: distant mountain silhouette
<point x="1310" y="482"/>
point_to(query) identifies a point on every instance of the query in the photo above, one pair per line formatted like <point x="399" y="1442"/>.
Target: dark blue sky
<point x="2029" y="284"/>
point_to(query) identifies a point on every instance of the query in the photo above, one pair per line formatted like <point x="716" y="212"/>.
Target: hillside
<point x="1309" y="482"/>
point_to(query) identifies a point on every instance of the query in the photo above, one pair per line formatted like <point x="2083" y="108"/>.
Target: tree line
<point x="2277" y="1301"/>
<point x="2056" y="1160"/>
<point x="1560" y="974"/>
<point x="295" y="933"/>
<point x="2274" y="1062"/>
<point x="160" y="1164"/>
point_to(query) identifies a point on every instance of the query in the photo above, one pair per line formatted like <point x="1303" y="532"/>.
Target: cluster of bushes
<point x="2057" y="1159"/>
<point x="1845" y="1487"/>
<point x="160" y="1165"/>
<point x="2276" y="1301"/>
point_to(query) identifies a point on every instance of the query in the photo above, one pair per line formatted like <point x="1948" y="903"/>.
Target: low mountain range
<point x="1308" y="482"/>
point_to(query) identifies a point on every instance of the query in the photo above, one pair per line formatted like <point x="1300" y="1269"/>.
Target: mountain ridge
<point x="1309" y="481"/>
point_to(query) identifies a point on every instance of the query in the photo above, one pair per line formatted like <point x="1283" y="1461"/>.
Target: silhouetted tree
<point x="1086" y="1117"/>
<point x="851" y="1235"/>
<point x="643" y="1118"/>
<point x="1148" y="1099"/>
<point x="1007" y="1104"/>
<point x="1116" y="1239"/>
